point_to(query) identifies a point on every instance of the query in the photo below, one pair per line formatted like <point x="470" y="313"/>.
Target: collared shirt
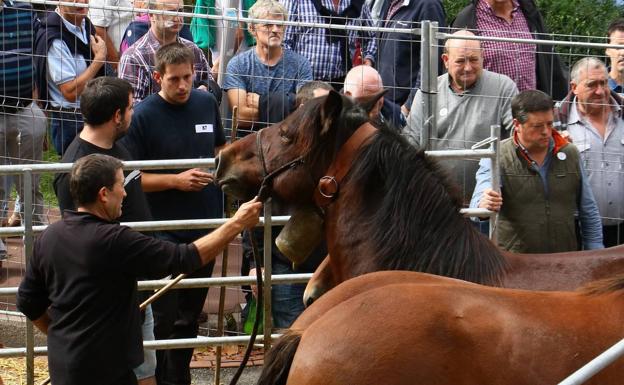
<point x="588" y="213"/>
<point x="512" y="59"/>
<point x="603" y="159"/>
<point x="326" y="59"/>
<point x="615" y="87"/>
<point x="17" y="27"/>
<point x="63" y="66"/>
<point x="137" y="65"/>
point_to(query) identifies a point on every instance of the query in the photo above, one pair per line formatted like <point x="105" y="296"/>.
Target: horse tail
<point x="279" y="358"/>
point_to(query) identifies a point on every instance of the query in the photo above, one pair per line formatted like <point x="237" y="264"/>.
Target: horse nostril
<point x="309" y="302"/>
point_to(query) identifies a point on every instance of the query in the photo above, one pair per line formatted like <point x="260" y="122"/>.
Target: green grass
<point x="45" y="183"/>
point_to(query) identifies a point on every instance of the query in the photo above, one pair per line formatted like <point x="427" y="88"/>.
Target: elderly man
<point x="262" y="82"/>
<point x="470" y="100"/>
<point x="615" y="33"/>
<point x="68" y="54"/>
<point x="137" y="62"/>
<point x="593" y="117"/>
<point x="80" y="285"/>
<point x="543" y="184"/>
<point x="364" y="81"/>
<point x="530" y="66"/>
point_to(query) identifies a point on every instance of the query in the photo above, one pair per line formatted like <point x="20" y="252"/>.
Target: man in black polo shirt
<point x="80" y="284"/>
<point x="178" y="122"/>
<point x="107" y="110"/>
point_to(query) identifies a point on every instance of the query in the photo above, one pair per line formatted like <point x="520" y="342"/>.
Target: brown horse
<point x="413" y="328"/>
<point x="395" y="208"/>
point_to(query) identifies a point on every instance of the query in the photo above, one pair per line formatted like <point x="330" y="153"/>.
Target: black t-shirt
<point x="83" y="272"/>
<point x="161" y="130"/>
<point x="134" y="207"/>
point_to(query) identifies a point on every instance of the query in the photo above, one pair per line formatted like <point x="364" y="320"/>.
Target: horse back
<point x="446" y="332"/>
<point x="562" y="271"/>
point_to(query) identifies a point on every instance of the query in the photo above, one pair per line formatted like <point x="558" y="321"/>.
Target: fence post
<point x="266" y="287"/>
<point x="28" y="250"/>
<point x="227" y="46"/>
<point x="495" y="131"/>
<point x="429" y="80"/>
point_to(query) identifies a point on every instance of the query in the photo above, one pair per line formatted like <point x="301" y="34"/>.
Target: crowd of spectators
<point x="561" y="164"/>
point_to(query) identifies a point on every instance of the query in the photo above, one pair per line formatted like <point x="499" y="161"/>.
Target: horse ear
<point x="369" y="102"/>
<point x="330" y="111"/>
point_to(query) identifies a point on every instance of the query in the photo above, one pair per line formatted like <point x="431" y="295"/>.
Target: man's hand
<point x="98" y="46"/>
<point x="253" y="100"/>
<point x="491" y="200"/>
<point x="368" y="62"/>
<point x="193" y="180"/>
<point x="248" y="214"/>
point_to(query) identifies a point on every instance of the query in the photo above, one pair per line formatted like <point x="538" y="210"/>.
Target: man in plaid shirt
<point x="137" y="62"/>
<point x="330" y="51"/>
<point x="529" y="66"/>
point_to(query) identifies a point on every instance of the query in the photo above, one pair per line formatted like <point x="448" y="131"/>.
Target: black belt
<point x="64" y="110"/>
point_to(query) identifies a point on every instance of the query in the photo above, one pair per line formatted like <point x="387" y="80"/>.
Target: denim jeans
<point x="286" y="300"/>
<point x="64" y="126"/>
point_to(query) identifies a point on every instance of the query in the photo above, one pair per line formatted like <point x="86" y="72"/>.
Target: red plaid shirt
<point x="512" y="59"/>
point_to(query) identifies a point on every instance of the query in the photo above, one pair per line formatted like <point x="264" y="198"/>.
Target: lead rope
<point x="259" y="306"/>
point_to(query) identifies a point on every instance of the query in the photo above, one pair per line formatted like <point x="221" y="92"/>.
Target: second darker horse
<point x="395" y="208"/>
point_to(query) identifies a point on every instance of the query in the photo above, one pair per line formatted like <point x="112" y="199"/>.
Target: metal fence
<point x="429" y="36"/>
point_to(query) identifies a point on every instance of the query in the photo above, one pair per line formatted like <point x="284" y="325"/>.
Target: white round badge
<point x="561" y="156"/>
<point x="443" y="111"/>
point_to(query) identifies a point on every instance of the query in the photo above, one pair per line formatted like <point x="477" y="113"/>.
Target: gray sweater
<point x="465" y="119"/>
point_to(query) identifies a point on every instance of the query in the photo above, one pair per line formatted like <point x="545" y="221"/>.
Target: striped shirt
<point x="326" y="59"/>
<point x="18" y="25"/>
<point x="137" y="65"/>
<point x="512" y="59"/>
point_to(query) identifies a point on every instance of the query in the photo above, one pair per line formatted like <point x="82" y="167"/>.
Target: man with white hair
<point x="364" y="81"/>
<point x="470" y="100"/>
<point x="592" y="114"/>
<point x="262" y="82"/>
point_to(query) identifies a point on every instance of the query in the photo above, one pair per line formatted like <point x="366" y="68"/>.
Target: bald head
<point x="362" y="81"/>
<point x="463" y="60"/>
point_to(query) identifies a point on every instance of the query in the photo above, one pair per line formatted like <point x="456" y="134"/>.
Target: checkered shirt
<point x="512" y="59"/>
<point x="325" y="59"/>
<point x="137" y="65"/>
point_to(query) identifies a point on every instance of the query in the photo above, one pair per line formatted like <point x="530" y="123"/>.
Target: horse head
<point x="291" y="156"/>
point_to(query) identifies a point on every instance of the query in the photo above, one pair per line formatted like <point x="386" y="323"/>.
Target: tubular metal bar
<point x="28" y="249"/>
<point x="590" y="369"/>
<point x="235" y="18"/>
<point x="444" y="36"/>
<point x="161" y="164"/>
<point x="182" y="343"/>
<point x="186" y="224"/>
<point x="267" y="284"/>
<point x="476" y="212"/>
<point x="464" y="154"/>
<point x="191" y="283"/>
<point x="495" y="131"/>
<point x="428" y="86"/>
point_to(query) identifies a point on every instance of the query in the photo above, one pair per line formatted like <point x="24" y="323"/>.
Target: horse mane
<point x="603" y="286"/>
<point x="415" y="197"/>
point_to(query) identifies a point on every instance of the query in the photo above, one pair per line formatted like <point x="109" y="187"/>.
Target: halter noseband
<point x="267" y="177"/>
<point x="329" y="184"/>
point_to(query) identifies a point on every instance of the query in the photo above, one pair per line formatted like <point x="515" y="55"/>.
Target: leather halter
<point x="329" y="185"/>
<point x="267" y="180"/>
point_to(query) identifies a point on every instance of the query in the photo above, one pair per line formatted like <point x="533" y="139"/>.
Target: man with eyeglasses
<point x="262" y="82"/>
<point x="137" y="62"/>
